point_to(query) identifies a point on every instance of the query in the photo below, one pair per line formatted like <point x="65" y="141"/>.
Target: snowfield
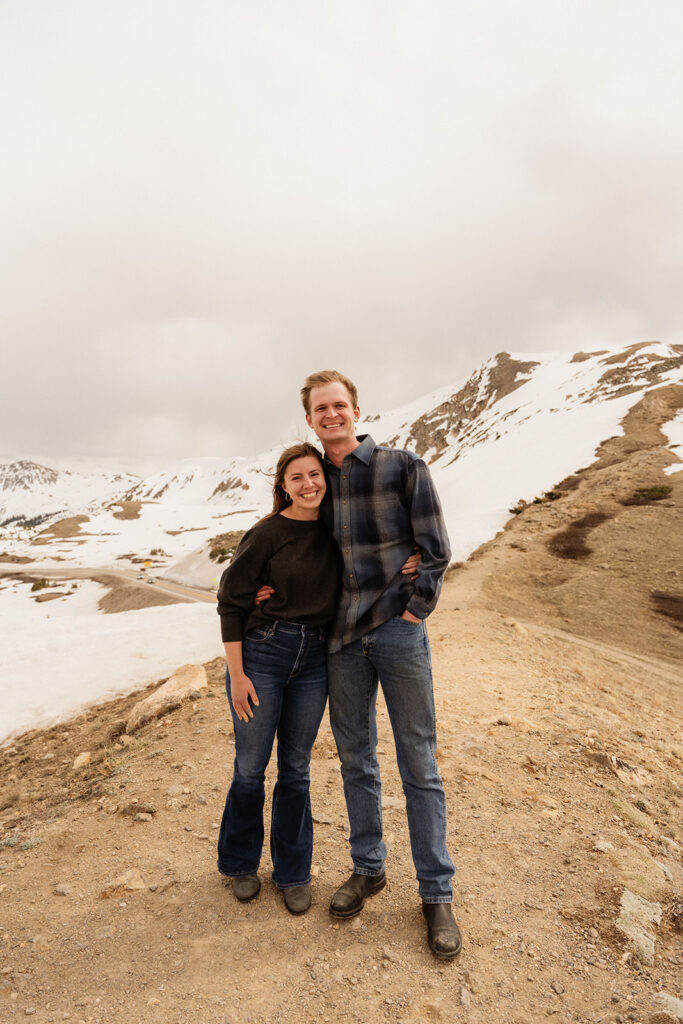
<point x="61" y="656"/>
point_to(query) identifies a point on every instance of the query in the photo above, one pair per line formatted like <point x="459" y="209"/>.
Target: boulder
<point x="187" y="680"/>
<point x="636" y="921"/>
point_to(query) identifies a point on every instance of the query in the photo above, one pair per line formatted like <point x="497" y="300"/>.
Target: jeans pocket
<point x="406" y="622"/>
<point x="259" y="634"/>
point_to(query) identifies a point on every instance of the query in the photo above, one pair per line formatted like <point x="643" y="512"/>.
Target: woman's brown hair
<point x="295" y="451"/>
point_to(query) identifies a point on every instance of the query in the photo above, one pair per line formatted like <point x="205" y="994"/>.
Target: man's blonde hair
<point x="317" y="380"/>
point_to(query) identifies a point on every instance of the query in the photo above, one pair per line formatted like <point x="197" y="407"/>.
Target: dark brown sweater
<point x="298" y="558"/>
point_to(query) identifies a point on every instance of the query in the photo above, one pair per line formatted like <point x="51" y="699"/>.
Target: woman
<point x="276" y="678"/>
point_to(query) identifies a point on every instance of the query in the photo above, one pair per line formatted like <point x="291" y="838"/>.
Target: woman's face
<point x="305" y="483"/>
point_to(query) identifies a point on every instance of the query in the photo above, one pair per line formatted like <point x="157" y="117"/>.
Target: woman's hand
<point x="263" y="593"/>
<point x="241" y="690"/>
<point x="411" y="563"/>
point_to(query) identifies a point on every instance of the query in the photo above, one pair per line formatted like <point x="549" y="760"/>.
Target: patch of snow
<point x="54" y="665"/>
<point x="674" y="431"/>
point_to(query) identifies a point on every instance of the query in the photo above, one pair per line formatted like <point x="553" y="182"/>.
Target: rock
<point x="393" y="803"/>
<point x="169" y="696"/>
<point x="82" y="760"/>
<point x="666" y="871"/>
<point x="533" y="904"/>
<point x="465" y="997"/>
<point x="174" y="791"/>
<point x="62" y="890"/>
<point x="129" y="881"/>
<point x="138" y="807"/>
<point x="602" y="846"/>
<point x="662" y="1018"/>
<point x="142" y="816"/>
<point x="513" y="624"/>
<point x="635" y="921"/>
<point x="670" y="1004"/>
<point x="627" y="773"/>
<point x="557" y="988"/>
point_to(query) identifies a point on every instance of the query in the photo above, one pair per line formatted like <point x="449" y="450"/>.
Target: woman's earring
<point x="287" y="496"/>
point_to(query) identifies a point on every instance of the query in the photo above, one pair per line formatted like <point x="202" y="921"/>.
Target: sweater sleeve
<point x="240" y="581"/>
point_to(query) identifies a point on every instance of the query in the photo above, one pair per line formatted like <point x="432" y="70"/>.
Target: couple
<point x="337" y="616"/>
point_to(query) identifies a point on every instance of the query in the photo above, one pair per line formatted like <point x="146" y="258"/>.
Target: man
<point x="381" y="502"/>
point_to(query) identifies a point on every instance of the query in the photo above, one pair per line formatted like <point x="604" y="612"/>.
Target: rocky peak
<point x="25" y="475"/>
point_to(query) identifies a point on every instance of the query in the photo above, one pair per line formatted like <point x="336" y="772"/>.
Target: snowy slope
<point x="29" y="489"/>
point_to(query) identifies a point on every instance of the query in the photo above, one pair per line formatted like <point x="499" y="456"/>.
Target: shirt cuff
<point x="417" y="607"/>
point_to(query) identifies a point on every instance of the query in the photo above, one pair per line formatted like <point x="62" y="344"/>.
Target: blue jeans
<point x="396" y="654"/>
<point x="286" y="663"/>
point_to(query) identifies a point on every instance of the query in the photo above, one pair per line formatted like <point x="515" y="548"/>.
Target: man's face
<point x="332" y="416"/>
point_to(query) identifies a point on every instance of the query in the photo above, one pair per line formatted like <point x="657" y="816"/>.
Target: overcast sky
<point x="203" y="201"/>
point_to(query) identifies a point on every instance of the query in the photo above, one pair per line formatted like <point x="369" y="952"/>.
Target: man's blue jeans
<point x="286" y="664"/>
<point x="396" y="653"/>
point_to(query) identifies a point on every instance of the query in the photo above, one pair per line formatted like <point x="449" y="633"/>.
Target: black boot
<point x="443" y="933"/>
<point x="349" y="898"/>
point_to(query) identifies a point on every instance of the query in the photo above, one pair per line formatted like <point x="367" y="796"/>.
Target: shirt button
<point x="355" y="598"/>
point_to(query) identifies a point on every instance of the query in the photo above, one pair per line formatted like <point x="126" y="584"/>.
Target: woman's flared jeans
<point x="286" y="663"/>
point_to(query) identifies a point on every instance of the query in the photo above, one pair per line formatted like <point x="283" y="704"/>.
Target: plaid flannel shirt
<point x="379" y="504"/>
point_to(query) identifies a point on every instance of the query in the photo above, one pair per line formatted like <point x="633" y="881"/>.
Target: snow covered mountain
<point x="511" y="431"/>
<point x="32" y="491"/>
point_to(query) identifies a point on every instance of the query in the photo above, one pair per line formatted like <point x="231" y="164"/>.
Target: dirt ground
<point x="561" y="752"/>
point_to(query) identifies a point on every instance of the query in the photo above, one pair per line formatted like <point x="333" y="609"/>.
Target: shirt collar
<point x="366" y="447"/>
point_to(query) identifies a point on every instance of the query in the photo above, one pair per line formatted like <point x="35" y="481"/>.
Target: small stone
<point x="502" y="720"/>
<point x="533" y="904"/>
<point x="142" y="816"/>
<point x="29" y="1011"/>
<point x="671" y="1004"/>
<point x="174" y="791"/>
<point x="557" y="987"/>
<point x="315" y="871"/>
<point x="81" y="761"/>
<point x="666" y="870"/>
<point x="465" y="997"/>
<point x="602" y="846"/>
<point x="62" y="890"/>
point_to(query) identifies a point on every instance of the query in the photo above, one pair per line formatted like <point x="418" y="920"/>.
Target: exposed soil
<point x="128" y="509"/>
<point x="64" y="528"/>
<point x="128" y="597"/>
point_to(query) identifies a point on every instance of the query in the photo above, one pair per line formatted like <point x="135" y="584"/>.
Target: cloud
<point x="202" y="204"/>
